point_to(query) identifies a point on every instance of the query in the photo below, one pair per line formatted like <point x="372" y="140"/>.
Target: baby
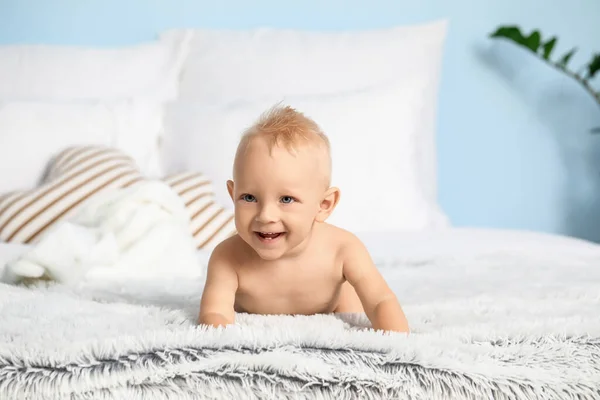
<point x="285" y="259"/>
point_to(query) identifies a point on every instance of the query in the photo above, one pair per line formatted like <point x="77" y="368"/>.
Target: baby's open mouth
<point x="269" y="235"/>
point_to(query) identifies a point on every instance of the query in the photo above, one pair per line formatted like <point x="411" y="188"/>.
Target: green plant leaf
<point x="509" y="32"/>
<point x="593" y="66"/>
<point x="562" y="63"/>
<point x="513" y="32"/>
<point x="533" y="41"/>
<point x="548" y="46"/>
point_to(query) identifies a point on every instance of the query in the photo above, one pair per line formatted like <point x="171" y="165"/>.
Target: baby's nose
<point x="268" y="213"/>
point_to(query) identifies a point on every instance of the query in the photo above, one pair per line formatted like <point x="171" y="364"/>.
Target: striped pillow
<point x="78" y="173"/>
<point x="210" y="222"/>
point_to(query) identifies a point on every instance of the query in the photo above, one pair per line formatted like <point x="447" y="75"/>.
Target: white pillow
<point x="268" y="64"/>
<point x="52" y="72"/>
<point x="373" y="136"/>
<point x="31" y="133"/>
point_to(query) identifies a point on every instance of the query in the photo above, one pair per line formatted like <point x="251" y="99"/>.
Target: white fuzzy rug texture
<point x="494" y="324"/>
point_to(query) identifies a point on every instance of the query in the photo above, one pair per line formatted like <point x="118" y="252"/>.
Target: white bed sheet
<point x="461" y="264"/>
<point x="385" y="247"/>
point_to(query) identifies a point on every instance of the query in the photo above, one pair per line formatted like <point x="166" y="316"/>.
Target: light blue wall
<point x="513" y="141"/>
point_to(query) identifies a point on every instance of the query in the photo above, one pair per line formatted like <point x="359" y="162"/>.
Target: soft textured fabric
<point x="505" y="321"/>
<point x="139" y="231"/>
<point x="210" y="220"/>
<point x="82" y="173"/>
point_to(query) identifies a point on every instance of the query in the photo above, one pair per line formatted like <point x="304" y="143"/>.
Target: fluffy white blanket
<point x="494" y="321"/>
<point x="137" y="232"/>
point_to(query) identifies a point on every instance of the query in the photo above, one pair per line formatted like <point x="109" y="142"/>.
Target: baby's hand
<point x="214" y="319"/>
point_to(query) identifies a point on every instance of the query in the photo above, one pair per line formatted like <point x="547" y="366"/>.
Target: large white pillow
<point x="31" y="133"/>
<point x="269" y="64"/>
<point x="373" y="136"/>
<point x="55" y="72"/>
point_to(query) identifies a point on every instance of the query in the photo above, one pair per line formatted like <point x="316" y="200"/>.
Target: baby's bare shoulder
<point x="342" y="241"/>
<point x="230" y="251"/>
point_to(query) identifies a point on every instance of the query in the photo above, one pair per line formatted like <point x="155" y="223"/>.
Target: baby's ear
<point x="230" y="188"/>
<point x="330" y="200"/>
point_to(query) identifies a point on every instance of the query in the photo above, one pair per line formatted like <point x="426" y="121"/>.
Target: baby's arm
<point x="218" y="297"/>
<point x="378" y="300"/>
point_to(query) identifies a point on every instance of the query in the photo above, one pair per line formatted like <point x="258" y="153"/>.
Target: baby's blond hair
<point x="285" y="126"/>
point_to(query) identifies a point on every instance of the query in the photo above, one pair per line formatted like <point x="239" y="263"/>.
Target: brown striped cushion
<point x="78" y="173"/>
<point x="210" y="223"/>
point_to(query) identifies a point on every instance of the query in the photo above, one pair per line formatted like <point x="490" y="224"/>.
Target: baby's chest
<point x="293" y="293"/>
<point x="293" y="280"/>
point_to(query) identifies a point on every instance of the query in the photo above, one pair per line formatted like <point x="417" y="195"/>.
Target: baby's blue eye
<point x="287" y="199"/>
<point x="249" y="198"/>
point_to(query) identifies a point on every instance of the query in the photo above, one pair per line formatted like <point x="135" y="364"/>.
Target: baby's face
<point x="277" y="197"/>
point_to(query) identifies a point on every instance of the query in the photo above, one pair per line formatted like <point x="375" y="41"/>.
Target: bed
<point x="107" y="222"/>
<point x="494" y="314"/>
